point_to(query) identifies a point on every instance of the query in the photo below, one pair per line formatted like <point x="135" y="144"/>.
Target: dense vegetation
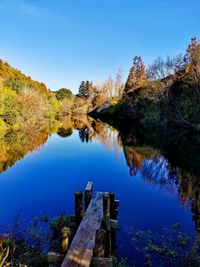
<point x="66" y="98"/>
<point x="63" y="93"/>
<point x="29" y="247"/>
<point x="165" y="93"/>
<point x="24" y="102"/>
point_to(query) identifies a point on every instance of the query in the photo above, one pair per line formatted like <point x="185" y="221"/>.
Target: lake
<point x="40" y="172"/>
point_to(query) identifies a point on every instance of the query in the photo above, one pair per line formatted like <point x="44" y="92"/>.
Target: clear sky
<point x="62" y="42"/>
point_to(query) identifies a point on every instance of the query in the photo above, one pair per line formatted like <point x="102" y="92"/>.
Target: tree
<point x="184" y="94"/>
<point x="85" y="89"/>
<point x="160" y="68"/>
<point x="137" y="75"/>
<point x="63" y="93"/>
<point x="119" y="84"/>
<point x="109" y="87"/>
<point x="194" y="67"/>
<point x="81" y="91"/>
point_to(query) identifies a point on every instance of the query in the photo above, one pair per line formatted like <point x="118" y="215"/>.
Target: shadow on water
<point x="168" y="159"/>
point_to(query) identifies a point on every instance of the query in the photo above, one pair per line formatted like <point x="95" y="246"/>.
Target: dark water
<point x="156" y="182"/>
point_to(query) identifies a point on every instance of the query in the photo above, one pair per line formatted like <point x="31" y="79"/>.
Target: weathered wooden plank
<point x="81" y="250"/>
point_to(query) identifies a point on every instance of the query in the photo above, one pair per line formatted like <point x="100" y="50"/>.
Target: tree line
<point x="100" y="92"/>
<point x="165" y="92"/>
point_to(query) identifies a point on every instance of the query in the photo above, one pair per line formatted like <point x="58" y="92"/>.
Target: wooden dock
<point x="81" y="250"/>
<point x="94" y="242"/>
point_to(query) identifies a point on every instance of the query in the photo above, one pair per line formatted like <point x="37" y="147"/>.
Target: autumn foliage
<point x="165" y="93"/>
<point x="23" y="101"/>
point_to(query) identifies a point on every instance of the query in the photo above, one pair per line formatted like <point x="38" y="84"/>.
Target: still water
<point x="40" y="173"/>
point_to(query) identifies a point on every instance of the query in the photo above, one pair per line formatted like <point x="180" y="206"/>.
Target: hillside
<point x="23" y="101"/>
<point x="167" y="93"/>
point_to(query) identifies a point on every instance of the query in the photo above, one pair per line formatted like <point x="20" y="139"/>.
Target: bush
<point x="63" y="93"/>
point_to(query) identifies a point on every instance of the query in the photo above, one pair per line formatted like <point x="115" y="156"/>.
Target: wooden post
<point x="116" y="212"/>
<point x="78" y="206"/>
<point x="113" y="222"/>
<point x="102" y="262"/>
<point x="116" y="203"/>
<point x="113" y="241"/>
<point x="106" y="207"/>
<point x="106" y="219"/>
<point x="100" y="242"/>
<point x="54" y="258"/>
<point x="65" y="234"/>
<point x="112" y="206"/>
<point x="88" y="194"/>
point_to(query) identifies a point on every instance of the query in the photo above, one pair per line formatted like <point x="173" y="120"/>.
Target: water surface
<point x="40" y="173"/>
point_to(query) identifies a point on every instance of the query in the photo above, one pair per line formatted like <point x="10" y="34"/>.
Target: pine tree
<point x="81" y="89"/>
<point x="137" y="75"/>
<point x="85" y="89"/>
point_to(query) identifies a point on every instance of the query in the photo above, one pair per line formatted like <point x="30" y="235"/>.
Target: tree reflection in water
<point x="84" y="135"/>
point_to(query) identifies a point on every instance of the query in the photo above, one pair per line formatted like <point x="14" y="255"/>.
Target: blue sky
<point x="62" y="42"/>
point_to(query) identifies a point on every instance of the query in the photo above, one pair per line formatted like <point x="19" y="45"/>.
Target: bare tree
<point x="119" y="84"/>
<point x="160" y="68"/>
<point x="109" y="87"/>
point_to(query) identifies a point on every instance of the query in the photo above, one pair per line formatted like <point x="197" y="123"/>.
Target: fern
<point x="3" y="256"/>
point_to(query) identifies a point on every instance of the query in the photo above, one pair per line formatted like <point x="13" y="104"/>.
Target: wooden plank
<point x="80" y="252"/>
